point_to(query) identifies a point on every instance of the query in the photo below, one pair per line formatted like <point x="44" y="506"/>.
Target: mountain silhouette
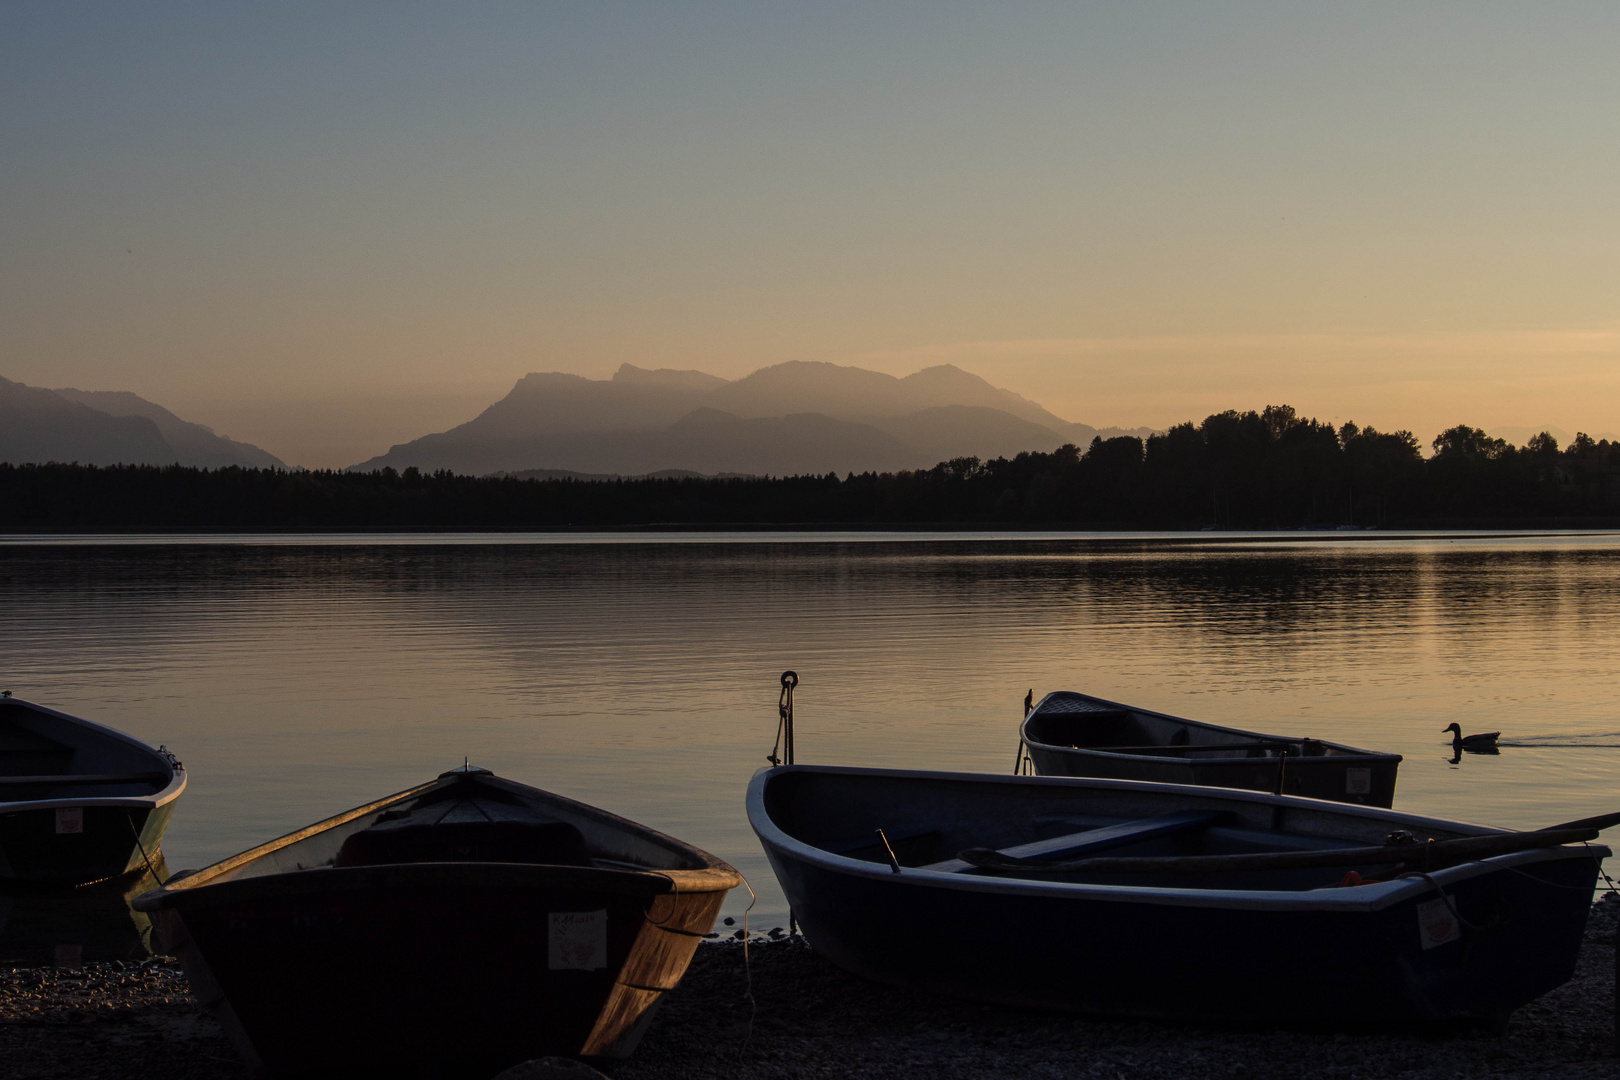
<point x="194" y="444"/>
<point x="39" y="425"/>
<point x="687" y="380"/>
<point x="797" y="417"/>
<point x="710" y="441"/>
<point x="554" y="403"/>
<point x="851" y="393"/>
<point x="109" y="428"/>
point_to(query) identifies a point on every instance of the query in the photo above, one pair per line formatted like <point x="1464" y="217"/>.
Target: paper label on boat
<point x="577" y="940"/>
<point x="69" y="819"/>
<point x="1357" y="781"/>
<point x="1436" y="924"/>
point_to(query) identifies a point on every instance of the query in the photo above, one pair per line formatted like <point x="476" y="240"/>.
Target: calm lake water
<point x="299" y="676"/>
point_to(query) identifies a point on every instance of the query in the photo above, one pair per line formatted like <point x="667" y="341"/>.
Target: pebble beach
<point x="782" y="1011"/>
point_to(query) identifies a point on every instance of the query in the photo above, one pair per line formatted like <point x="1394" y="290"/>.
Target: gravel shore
<point x="809" y="1019"/>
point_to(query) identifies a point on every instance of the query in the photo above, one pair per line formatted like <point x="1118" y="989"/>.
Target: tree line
<point x="1251" y="470"/>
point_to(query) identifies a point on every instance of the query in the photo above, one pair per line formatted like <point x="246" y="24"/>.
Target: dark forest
<point x="1235" y="470"/>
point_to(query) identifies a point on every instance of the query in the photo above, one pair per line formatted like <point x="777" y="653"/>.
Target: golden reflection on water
<point x="296" y="680"/>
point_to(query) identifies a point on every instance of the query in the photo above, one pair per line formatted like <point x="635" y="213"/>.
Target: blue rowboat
<point x="1155" y="900"/>
<point x="1070" y="734"/>
<point x="79" y="802"/>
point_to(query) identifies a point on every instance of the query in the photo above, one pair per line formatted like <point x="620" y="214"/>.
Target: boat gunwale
<point x="1361" y="755"/>
<point x="1362" y="898"/>
<point x="164" y="795"/>
<point x="325" y="880"/>
<point x="715" y="875"/>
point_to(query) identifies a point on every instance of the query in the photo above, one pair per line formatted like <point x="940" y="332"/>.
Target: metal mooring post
<point x="790" y="679"/>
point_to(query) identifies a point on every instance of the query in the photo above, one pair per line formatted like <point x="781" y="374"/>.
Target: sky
<point x="326" y="228"/>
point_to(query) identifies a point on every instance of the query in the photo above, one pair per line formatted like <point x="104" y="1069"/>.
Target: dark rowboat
<point x="454" y="929"/>
<point x="79" y="802"/>
<point x="1071" y="734"/>
<point x="1158" y="900"/>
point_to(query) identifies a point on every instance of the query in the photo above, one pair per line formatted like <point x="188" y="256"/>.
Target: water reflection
<point x="296" y="682"/>
<point x="69" y="927"/>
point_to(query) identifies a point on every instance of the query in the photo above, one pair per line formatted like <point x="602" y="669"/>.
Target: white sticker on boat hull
<point x="1358" y="781"/>
<point x="69" y="820"/>
<point x="1436" y="924"/>
<point x="577" y="941"/>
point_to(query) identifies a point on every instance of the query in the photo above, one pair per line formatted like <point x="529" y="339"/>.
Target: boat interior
<point x="1080" y="722"/>
<point x="470" y="817"/>
<point x="928" y="822"/>
<point x="43" y="756"/>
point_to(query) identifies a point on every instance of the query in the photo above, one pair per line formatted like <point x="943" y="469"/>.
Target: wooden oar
<point x="1602" y="821"/>
<point x="1430" y="856"/>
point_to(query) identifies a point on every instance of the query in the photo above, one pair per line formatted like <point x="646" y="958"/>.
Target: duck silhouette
<point x="1483" y="743"/>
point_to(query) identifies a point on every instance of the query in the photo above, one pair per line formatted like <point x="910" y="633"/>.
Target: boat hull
<point x="1341" y="779"/>
<point x="109" y="845"/>
<point x="79" y="802"/>
<point x="1070" y="734"/>
<point x="453" y="929"/>
<point x="1338" y="956"/>
<point x="433" y="969"/>
<point x="1139" y="960"/>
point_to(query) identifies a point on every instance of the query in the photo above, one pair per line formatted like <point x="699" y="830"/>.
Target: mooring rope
<point x="1602" y="872"/>
<point x="748" y="971"/>
<point x="1450" y="904"/>
<point x="674" y="905"/>
<point x="1023" y="747"/>
<point x="147" y="858"/>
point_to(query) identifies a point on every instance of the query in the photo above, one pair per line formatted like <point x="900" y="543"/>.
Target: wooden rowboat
<point x="1069" y="734"/>
<point x="79" y="802"/>
<point x="1156" y="900"/>
<point x="454" y="929"/>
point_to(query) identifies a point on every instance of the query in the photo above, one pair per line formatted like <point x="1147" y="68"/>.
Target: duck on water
<point x="1483" y="743"/>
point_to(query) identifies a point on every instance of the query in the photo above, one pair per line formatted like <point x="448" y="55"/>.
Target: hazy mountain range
<point x="794" y="418"/>
<point x="110" y="427"/>
<point x="798" y="417"/>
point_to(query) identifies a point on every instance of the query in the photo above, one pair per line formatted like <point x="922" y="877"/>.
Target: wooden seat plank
<point x="1094" y="840"/>
<point x="1167" y="748"/>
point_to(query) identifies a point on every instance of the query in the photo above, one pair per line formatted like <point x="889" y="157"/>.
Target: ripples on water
<point x="299" y="678"/>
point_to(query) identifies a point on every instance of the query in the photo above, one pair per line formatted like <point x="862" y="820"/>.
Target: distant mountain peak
<point x="193" y="444"/>
<point x="937" y="368"/>
<point x="687" y="378"/>
<point x="818" y="368"/>
<point x="107" y="427"/>
<point x="537" y="380"/>
<point x="800" y="415"/>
